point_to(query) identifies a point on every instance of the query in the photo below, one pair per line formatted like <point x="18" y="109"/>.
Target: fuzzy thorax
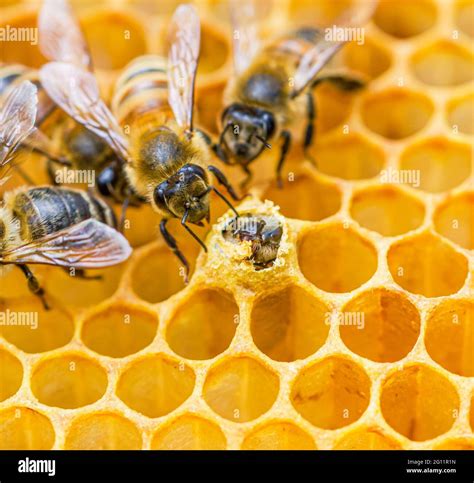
<point x="9" y="230"/>
<point x="160" y="154"/>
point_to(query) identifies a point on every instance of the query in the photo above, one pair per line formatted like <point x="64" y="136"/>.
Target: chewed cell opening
<point x="262" y="232"/>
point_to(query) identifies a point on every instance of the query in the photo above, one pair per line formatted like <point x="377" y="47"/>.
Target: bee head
<point x="246" y="130"/>
<point x="187" y="191"/>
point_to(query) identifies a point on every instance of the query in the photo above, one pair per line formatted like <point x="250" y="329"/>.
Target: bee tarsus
<point x="286" y="137"/>
<point x="310" y="128"/>
<point x="34" y="285"/>
<point x="221" y="178"/>
<point x="347" y="81"/>
<point x="171" y="242"/>
<point x="80" y="273"/>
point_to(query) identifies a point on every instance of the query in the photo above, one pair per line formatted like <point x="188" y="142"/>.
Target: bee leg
<point x="186" y="227"/>
<point x="286" y="136"/>
<point x="345" y="79"/>
<point x="221" y="178"/>
<point x="81" y="273"/>
<point x="113" y="193"/>
<point x="216" y="147"/>
<point x="125" y="204"/>
<point x="310" y="128"/>
<point x="34" y="285"/>
<point x="205" y="136"/>
<point x="220" y="153"/>
<point x="171" y="242"/>
<point x="50" y="168"/>
<point x="225" y="200"/>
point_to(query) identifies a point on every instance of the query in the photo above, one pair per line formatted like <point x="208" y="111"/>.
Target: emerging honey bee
<point x="49" y="225"/>
<point x="272" y="87"/>
<point x="263" y="232"/>
<point x="164" y="159"/>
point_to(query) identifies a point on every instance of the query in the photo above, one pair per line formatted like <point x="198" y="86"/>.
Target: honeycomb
<point x="361" y="333"/>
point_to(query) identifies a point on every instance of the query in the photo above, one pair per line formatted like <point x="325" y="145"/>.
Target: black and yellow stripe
<point x="45" y="210"/>
<point x="141" y="92"/>
<point x="293" y="46"/>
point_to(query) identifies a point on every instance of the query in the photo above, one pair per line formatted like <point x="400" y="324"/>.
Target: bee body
<point x="159" y="148"/>
<point x="80" y="147"/>
<point x="141" y="93"/>
<point x="49" y="225"/>
<point x="45" y="210"/>
<point x="260" y="101"/>
<point x="163" y="159"/>
<point x="264" y="234"/>
<point x="271" y="91"/>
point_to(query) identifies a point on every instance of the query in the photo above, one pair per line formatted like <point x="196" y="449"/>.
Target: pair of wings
<point x="247" y="17"/>
<point x="89" y="244"/>
<point x="69" y="82"/>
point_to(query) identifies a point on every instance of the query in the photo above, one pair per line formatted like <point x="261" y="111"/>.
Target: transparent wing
<point x="89" y="244"/>
<point x="76" y="92"/>
<point x="17" y="119"/>
<point x="312" y="62"/>
<point x="60" y="36"/>
<point x="247" y="17"/>
<point x="39" y="142"/>
<point x="184" y="38"/>
<point x="317" y="57"/>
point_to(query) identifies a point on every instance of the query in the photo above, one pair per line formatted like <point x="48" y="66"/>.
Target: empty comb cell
<point x="334" y="312"/>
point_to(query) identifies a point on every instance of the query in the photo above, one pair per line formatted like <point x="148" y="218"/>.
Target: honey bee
<point x="264" y="233"/>
<point x="74" y="147"/>
<point x="49" y="225"/>
<point x="61" y="39"/>
<point x="164" y="158"/>
<point x="272" y="87"/>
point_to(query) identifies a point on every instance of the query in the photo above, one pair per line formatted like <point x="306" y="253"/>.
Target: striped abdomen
<point x="295" y="44"/>
<point x="13" y="74"/>
<point x="45" y="210"/>
<point x="141" y="92"/>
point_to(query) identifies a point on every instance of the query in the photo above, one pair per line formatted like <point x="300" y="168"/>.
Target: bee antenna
<point x="268" y="146"/>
